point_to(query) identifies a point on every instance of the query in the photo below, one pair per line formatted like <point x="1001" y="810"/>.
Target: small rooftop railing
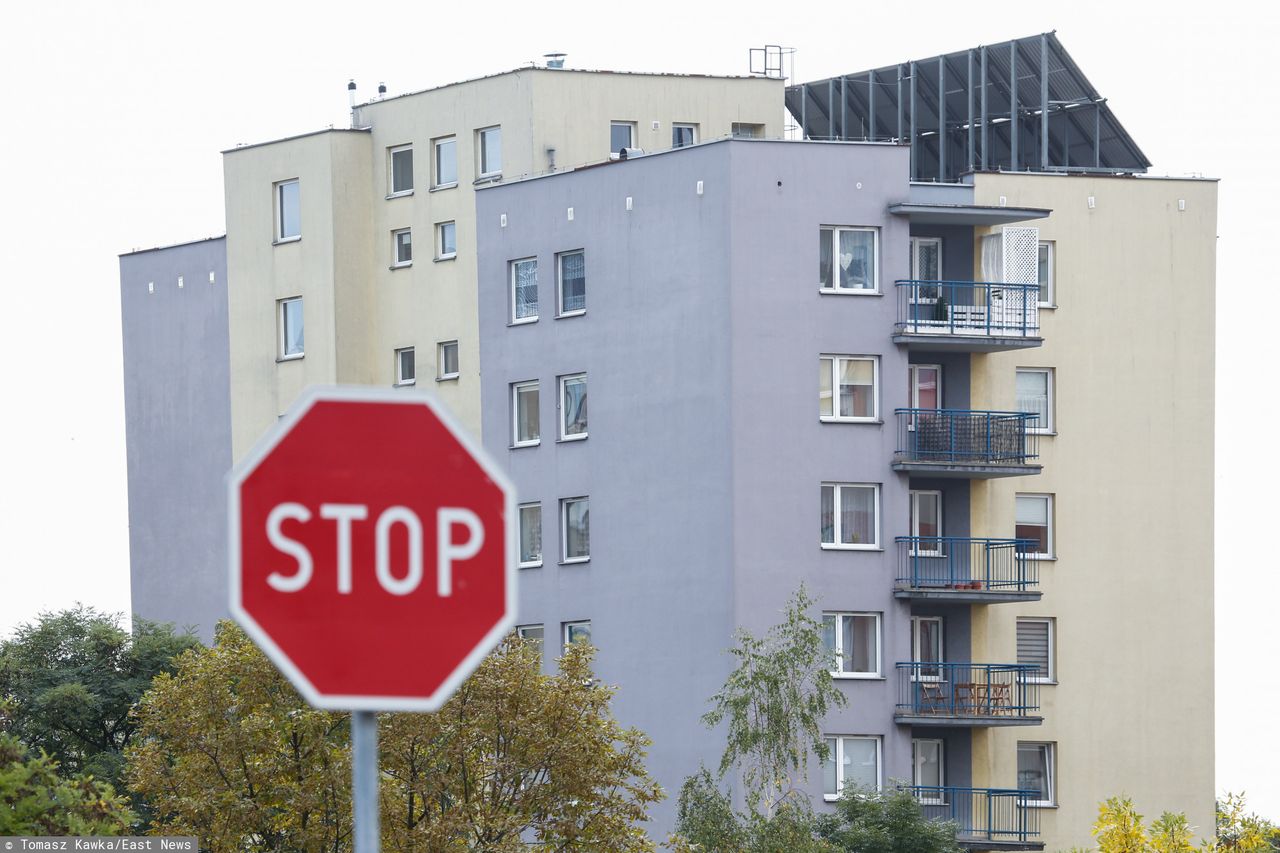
<point x="1000" y="692"/>
<point x="964" y="437"/>
<point x="959" y="563"/>
<point x="982" y="814"/>
<point x="967" y="308"/>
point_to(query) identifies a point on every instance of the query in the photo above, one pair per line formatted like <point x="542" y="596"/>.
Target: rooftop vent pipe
<point x="382" y="91"/>
<point x="554" y="60"/>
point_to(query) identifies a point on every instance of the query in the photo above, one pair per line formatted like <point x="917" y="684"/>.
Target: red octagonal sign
<point x="373" y="550"/>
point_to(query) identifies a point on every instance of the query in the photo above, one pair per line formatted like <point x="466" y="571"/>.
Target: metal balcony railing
<point x="956" y="562"/>
<point x="1001" y="692"/>
<point x="964" y="437"/>
<point x="967" y="308"/>
<point x="982" y="814"/>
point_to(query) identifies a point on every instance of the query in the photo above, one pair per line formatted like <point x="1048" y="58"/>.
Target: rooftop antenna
<point x="554" y="60"/>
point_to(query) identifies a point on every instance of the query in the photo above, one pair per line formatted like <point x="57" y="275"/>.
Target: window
<point x="850" y="515"/>
<point x="406" y="367"/>
<point x="446" y="162"/>
<point x="575" y="519"/>
<point x="489" y="143"/>
<point x="1035" y="646"/>
<point x="1035" y="772"/>
<point x="288" y="211"/>
<point x="851" y="762"/>
<point x="531" y="634"/>
<point x="291" y="339"/>
<point x="447" y="360"/>
<point x="848" y="260"/>
<point x="577" y="632"/>
<point x="854" y="378"/>
<point x="524" y="290"/>
<point x="573" y="407"/>
<point x="926" y="523"/>
<point x="746" y="130"/>
<point x="926" y="769"/>
<point x="446" y="240"/>
<point x="1034" y="520"/>
<point x="1044" y="274"/>
<point x="530" y="535"/>
<point x="525" y="430"/>
<point x="926" y="647"/>
<point x="401" y="248"/>
<point x="853" y="641"/>
<point x="572" y="284"/>
<point x="683" y="134"/>
<point x="926" y="386"/>
<point x="622" y="134"/>
<point x="401" y="170"/>
<point x="1035" y="395"/>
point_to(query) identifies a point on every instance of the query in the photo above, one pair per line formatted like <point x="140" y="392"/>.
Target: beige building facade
<point x="350" y="253"/>
<point x="1127" y="485"/>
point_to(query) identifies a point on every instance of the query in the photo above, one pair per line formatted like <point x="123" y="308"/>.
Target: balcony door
<point x="926" y="386"/>
<point x="927" y="771"/>
<point x="926" y="523"/>
<point x="926" y="647"/>
<point x="926" y="265"/>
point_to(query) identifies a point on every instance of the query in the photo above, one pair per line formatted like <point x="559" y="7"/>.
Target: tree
<point x="1240" y="831"/>
<point x="1170" y="834"/>
<point x="71" y="679"/>
<point x="229" y="752"/>
<point x="1119" y="827"/>
<point x="36" y="800"/>
<point x="888" y="822"/>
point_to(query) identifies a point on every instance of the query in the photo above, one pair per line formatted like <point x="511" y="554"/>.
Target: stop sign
<point x="373" y="550"/>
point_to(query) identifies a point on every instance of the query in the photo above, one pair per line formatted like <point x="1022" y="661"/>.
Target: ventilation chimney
<point x="351" y="99"/>
<point x="554" y="60"/>
<point x="382" y="91"/>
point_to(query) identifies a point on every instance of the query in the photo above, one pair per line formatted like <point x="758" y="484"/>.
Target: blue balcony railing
<point x="958" y="563"/>
<point x="964" y="437"/>
<point x="982" y="814"/>
<point x="1000" y="692"/>
<point x="967" y="308"/>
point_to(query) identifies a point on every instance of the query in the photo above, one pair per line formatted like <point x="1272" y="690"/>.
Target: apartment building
<point x="349" y="258"/>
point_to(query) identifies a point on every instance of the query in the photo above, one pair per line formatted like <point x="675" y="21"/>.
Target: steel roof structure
<point x="1021" y="105"/>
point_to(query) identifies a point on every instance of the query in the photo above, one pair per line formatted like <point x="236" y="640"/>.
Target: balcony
<point x="964" y="570"/>
<point x="963" y="443"/>
<point x="967" y="316"/>
<point x="985" y="818"/>
<point x="967" y="694"/>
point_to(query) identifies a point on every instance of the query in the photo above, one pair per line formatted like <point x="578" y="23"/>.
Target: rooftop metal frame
<point x="1021" y="105"/>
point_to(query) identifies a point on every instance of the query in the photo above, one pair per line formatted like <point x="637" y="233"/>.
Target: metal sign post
<point x="364" y="780"/>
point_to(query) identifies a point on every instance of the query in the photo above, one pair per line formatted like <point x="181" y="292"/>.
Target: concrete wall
<point x="177" y="430"/>
<point x="1131" y="468"/>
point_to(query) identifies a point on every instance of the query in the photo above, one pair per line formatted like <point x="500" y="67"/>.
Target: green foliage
<point x="230" y="753"/>
<point x="36" y="800"/>
<point x="774" y="702"/>
<point x="705" y="818"/>
<point x="1170" y="834"/>
<point x="1119" y="827"/>
<point x="71" y="678"/>
<point x="887" y="822"/>
<point x="1240" y="831"/>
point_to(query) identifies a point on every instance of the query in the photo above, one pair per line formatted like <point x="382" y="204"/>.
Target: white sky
<point x="117" y="112"/>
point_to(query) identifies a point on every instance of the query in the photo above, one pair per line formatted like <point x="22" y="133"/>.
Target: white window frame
<point x="441" y="374"/>
<point x="836" y="754"/>
<point x="511" y="288"/>
<point x="836" y="230"/>
<point x="684" y="125"/>
<point x="918" y="672"/>
<point x="631" y="133"/>
<point x="392" y="192"/>
<point x="516" y="388"/>
<point x="576" y="312"/>
<point x="401" y="379"/>
<point x="1049" y="533"/>
<point x="837" y="545"/>
<point x="566" y="626"/>
<point x="436" y="144"/>
<point x="523" y="632"/>
<point x="282" y="331"/>
<point x="530" y="564"/>
<point x="1052" y="647"/>
<point x="913" y="372"/>
<point x="1051" y="297"/>
<point x="1050" y="425"/>
<point x="482" y="164"/>
<point x="942" y="769"/>
<point x="835" y="360"/>
<point x="396" y="261"/>
<point x="278" y="195"/>
<point x="441" y="254"/>
<point x="919" y="297"/>
<point x="1051" y="772"/>
<point x="913" y="512"/>
<point x="838" y="650"/>
<point x="563" y="410"/>
<point x="564" y="531"/>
